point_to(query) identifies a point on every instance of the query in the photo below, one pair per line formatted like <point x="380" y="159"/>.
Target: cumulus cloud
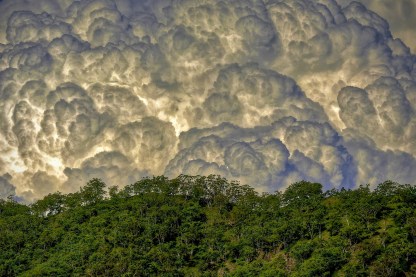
<point x="265" y="92"/>
<point x="381" y="112"/>
<point x="6" y="187"/>
<point x="389" y="165"/>
<point x="350" y="46"/>
<point x="249" y="95"/>
<point x="112" y="167"/>
<point x="268" y="157"/>
<point x="399" y="15"/>
<point x="149" y="143"/>
<point x="25" y="26"/>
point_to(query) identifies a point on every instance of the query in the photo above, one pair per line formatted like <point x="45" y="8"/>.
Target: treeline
<point x="208" y="226"/>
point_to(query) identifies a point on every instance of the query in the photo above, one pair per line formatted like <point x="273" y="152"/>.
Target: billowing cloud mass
<point x="399" y="14"/>
<point x="264" y="92"/>
<point x="6" y="188"/>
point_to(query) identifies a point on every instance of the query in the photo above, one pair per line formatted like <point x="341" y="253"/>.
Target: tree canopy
<point x="209" y="226"/>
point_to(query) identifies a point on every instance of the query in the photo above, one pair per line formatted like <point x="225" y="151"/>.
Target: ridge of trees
<point x="209" y="226"/>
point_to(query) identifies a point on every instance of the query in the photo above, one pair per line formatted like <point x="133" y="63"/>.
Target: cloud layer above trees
<point x="265" y="92"/>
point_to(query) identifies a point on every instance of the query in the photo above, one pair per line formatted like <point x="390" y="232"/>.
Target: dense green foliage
<point x="207" y="226"/>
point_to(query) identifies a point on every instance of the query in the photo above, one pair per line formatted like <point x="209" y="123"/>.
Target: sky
<point x="264" y="92"/>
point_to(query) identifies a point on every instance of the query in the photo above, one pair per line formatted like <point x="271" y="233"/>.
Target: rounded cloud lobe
<point x="264" y="92"/>
<point x="263" y="156"/>
<point x="6" y="188"/>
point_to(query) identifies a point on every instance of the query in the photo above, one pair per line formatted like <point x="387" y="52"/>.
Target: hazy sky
<point x="264" y="92"/>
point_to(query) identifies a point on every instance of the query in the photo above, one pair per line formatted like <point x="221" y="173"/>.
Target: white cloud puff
<point x="388" y="165"/>
<point x="248" y="95"/>
<point x="399" y="15"/>
<point x="268" y="157"/>
<point x="381" y="112"/>
<point x="149" y="142"/>
<point x="112" y="167"/>
<point x="25" y="26"/>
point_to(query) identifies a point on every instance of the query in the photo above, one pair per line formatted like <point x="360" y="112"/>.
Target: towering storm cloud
<point x="264" y="92"/>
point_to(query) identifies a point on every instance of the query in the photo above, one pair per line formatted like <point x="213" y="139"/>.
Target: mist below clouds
<point x="264" y="92"/>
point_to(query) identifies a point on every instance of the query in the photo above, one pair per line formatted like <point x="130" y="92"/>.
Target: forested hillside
<point x="208" y="226"/>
